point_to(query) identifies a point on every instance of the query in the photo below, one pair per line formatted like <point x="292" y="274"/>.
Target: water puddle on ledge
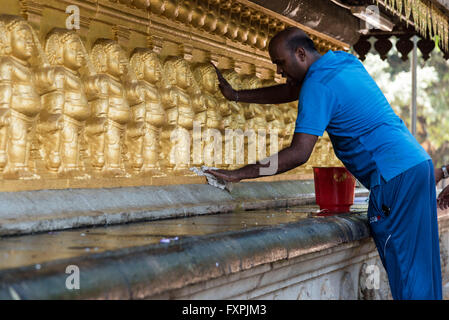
<point x="36" y="249"/>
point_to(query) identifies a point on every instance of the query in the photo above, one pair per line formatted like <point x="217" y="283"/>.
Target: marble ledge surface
<point x="143" y="271"/>
<point x="27" y="212"/>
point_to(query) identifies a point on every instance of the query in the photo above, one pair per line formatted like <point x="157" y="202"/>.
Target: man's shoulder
<point x="314" y="85"/>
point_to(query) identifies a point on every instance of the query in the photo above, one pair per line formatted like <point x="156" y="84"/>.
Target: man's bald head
<point x="292" y="38"/>
<point x="293" y="52"/>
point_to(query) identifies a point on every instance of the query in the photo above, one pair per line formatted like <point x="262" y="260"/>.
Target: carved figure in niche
<point x="206" y="77"/>
<point x="255" y="115"/>
<point x="199" y="105"/>
<point x="225" y="112"/>
<point x="258" y="120"/>
<point x="20" y="103"/>
<point x="135" y="130"/>
<point x="180" y="114"/>
<point x="148" y="67"/>
<point x="275" y="129"/>
<point x="275" y="124"/>
<point x="109" y="93"/>
<point x="235" y="122"/>
<point x="66" y="109"/>
<point x="290" y="111"/>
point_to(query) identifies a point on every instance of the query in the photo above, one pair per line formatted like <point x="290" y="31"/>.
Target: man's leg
<point x="403" y="222"/>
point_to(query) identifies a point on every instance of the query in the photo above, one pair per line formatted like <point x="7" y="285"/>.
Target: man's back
<point x="339" y="96"/>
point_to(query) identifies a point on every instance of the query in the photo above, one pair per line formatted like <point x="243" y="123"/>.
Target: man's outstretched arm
<point x="291" y="157"/>
<point x="276" y="94"/>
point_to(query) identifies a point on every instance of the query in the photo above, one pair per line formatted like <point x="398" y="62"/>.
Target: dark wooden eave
<point x="335" y="20"/>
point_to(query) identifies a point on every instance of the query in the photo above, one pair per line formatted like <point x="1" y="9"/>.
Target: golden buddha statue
<point x="236" y="123"/>
<point x="258" y="120"/>
<point x="180" y="114"/>
<point x="275" y="129"/>
<point x="135" y="130"/>
<point x="19" y="100"/>
<point x="148" y="67"/>
<point x="255" y="115"/>
<point x="66" y="108"/>
<point x="290" y="111"/>
<point x="108" y="95"/>
<point x="199" y="107"/>
<point x="225" y="113"/>
<point x="206" y="77"/>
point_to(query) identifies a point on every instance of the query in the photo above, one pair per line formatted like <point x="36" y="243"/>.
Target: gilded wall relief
<point x="145" y="141"/>
<point x="66" y="109"/>
<point x="213" y="132"/>
<point x="275" y="124"/>
<point x="86" y="105"/>
<point x="180" y="99"/>
<point x="111" y="95"/>
<point x="236" y="124"/>
<point x="19" y="97"/>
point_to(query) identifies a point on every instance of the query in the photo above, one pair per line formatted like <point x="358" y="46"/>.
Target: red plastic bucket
<point x="334" y="189"/>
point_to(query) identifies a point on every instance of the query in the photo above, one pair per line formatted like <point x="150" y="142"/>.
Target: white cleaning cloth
<point x="211" y="179"/>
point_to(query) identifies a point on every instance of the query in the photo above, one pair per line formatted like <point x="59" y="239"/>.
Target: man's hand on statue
<point x="443" y="199"/>
<point x="225" y="88"/>
<point x="226" y="175"/>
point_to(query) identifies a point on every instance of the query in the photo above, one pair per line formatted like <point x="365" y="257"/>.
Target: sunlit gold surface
<point x="19" y="96"/>
<point x="62" y="122"/>
<point x="115" y="102"/>
<point x="144" y="136"/>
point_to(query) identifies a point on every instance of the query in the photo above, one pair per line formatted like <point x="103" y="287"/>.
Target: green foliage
<point x="394" y="78"/>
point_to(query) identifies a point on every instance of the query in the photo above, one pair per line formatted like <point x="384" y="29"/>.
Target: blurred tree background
<point x="394" y="78"/>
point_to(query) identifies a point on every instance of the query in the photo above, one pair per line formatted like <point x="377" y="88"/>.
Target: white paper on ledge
<point x="211" y="179"/>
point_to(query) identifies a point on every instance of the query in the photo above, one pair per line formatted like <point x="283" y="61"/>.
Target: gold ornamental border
<point x="321" y="40"/>
<point x="52" y="184"/>
<point x="428" y="19"/>
<point x="249" y="10"/>
<point x="193" y="23"/>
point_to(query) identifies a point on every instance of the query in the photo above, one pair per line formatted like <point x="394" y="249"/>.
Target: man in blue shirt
<point x="337" y="95"/>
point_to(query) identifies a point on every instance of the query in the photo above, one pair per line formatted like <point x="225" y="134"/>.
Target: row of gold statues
<point x="106" y="115"/>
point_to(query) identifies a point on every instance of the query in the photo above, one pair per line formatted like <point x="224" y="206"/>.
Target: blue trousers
<point x="402" y="215"/>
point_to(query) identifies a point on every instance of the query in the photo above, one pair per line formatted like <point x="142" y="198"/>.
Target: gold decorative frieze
<point x="129" y="96"/>
<point x="427" y="18"/>
<point x="237" y="20"/>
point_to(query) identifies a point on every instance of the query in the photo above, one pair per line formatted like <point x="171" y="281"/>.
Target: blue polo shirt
<point x="340" y="97"/>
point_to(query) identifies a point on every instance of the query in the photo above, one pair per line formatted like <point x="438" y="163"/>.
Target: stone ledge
<point x="26" y="212"/>
<point x="47" y="210"/>
<point x="147" y="271"/>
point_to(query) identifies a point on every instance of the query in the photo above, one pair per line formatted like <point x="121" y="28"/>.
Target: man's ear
<point x="300" y="53"/>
